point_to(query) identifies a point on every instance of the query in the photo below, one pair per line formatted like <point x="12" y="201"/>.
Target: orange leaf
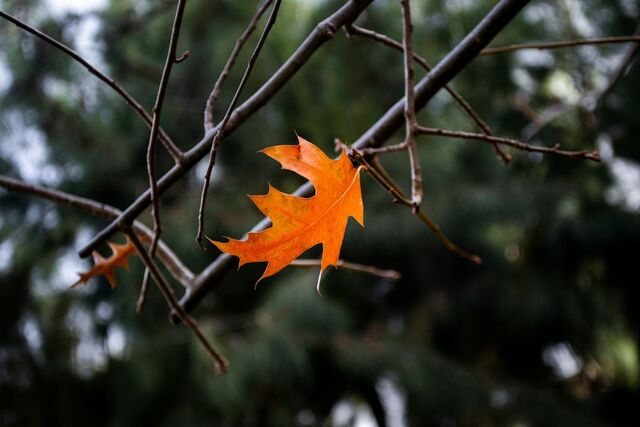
<point x="301" y="223"/>
<point x="107" y="266"/>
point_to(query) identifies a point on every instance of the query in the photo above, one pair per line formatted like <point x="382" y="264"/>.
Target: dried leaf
<point x="301" y="223"/>
<point x="106" y="266"/>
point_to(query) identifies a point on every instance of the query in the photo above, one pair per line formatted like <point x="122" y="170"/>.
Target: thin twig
<point x="621" y="69"/>
<point x="410" y="107"/>
<point x="183" y="57"/>
<point x="374" y="271"/>
<point x="173" y="150"/>
<point x="435" y="229"/>
<point x="382" y="178"/>
<point x="380" y="175"/>
<point x="372" y="151"/>
<point x="153" y="135"/>
<point x="544" y="118"/>
<point x="466" y="107"/>
<point x="557" y="45"/>
<point x="217" y="87"/>
<point x="583" y="154"/>
<point x="589" y="101"/>
<point x="374" y="161"/>
<point x="144" y="288"/>
<point x="221" y="364"/>
<point x="219" y="135"/>
<point x="168" y="258"/>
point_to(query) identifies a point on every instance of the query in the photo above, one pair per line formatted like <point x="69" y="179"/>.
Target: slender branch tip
<point x="182" y="57"/>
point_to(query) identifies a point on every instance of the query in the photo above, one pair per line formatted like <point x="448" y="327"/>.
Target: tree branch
<point x="410" y="107"/>
<point x="130" y="101"/>
<point x="220" y="129"/>
<point x="558" y="45"/>
<point x="221" y="364"/>
<point x="153" y="135"/>
<point x="372" y="151"/>
<point x="623" y="66"/>
<point x="589" y="101"/>
<point x="352" y="266"/>
<point x="583" y="154"/>
<point x="323" y="32"/>
<point x="398" y="195"/>
<point x="217" y="87"/>
<point x="168" y="258"/>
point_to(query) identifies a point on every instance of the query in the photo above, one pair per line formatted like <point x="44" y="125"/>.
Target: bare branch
<point x="153" y="135"/>
<point x="221" y="364"/>
<point x="220" y="129"/>
<point x="398" y="195"/>
<point x="169" y="259"/>
<point x="372" y="151"/>
<point x="589" y="101"/>
<point x="593" y="100"/>
<point x="409" y="106"/>
<point x="183" y="57"/>
<point x="435" y="229"/>
<point x="217" y="87"/>
<point x="130" y="101"/>
<point x="583" y="154"/>
<point x="557" y="45"/>
<point x="466" y="107"/>
<point x="144" y="288"/>
<point x="544" y="118"/>
<point x="361" y="268"/>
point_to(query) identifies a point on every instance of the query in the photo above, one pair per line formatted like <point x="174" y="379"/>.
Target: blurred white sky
<point x="61" y="7"/>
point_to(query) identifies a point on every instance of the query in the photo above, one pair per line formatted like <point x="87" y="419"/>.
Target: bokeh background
<point x="544" y="333"/>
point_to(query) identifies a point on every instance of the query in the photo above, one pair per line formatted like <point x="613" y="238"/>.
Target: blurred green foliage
<point x="544" y="333"/>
